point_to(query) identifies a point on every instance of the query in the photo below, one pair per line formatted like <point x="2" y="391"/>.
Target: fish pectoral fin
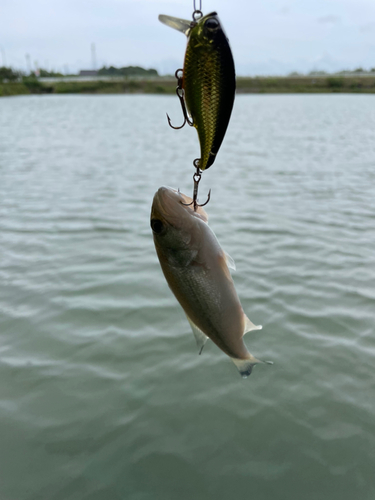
<point x="176" y="23"/>
<point x="230" y="261"/>
<point x="249" y="326"/>
<point x="200" y="337"/>
<point x="245" y="366"/>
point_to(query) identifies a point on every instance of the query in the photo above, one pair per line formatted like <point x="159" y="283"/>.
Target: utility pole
<point x="3" y="56"/>
<point x="93" y="56"/>
<point x="28" y="63"/>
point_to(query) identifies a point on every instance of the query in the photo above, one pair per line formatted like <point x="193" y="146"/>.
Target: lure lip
<point x="177" y="23"/>
<point x="183" y="25"/>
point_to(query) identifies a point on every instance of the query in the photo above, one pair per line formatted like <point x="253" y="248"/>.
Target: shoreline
<point x="245" y="85"/>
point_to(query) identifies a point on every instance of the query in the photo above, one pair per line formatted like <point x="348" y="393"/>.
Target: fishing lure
<point x="207" y="82"/>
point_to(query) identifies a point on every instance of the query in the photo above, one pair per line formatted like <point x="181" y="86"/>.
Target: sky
<point x="268" y="37"/>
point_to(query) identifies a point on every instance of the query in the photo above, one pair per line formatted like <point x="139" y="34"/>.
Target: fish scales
<point x="209" y="81"/>
<point x="196" y="270"/>
<point x="209" y="84"/>
<point x="210" y="314"/>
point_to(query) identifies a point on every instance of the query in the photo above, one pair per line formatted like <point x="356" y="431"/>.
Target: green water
<point x="102" y="393"/>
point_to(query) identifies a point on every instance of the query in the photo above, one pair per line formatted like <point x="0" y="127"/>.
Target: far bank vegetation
<point x="135" y="79"/>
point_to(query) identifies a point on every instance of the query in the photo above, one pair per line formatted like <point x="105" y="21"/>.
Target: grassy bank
<point x="33" y="86"/>
<point x="307" y="84"/>
<point x="351" y="84"/>
<point x="7" y="89"/>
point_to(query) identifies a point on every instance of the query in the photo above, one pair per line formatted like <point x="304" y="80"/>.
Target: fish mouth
<point x="167" y="199"/>
<point x="164" y="199"/>
<point x="171" y="205"/>
<point x="166" y="203"/>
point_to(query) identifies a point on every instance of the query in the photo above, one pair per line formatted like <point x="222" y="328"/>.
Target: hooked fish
<point x="208" y="81"/>
<point x="197" y="271"/>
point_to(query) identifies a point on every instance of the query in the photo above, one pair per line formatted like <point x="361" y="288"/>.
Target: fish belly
<point x="214" y="310"/>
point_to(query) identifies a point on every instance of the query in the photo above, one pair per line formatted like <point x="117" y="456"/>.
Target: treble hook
<point x="180" y="94"/>
<point x="197" y="177"/>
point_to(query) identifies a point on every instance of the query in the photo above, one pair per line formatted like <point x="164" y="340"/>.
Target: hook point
<point x="170" y="123"/>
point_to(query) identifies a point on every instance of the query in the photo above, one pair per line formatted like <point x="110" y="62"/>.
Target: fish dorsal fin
<point x="250" y="326"/>
<point x="200" y="337"/>
<point x="230" y="261"/>
<point x="176" y="23"/>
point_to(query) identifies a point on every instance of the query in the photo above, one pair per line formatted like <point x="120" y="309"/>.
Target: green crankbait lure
<point x="208" y="82"/>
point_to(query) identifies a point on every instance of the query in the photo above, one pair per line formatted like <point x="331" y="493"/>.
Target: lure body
<point x="209" y="81"/>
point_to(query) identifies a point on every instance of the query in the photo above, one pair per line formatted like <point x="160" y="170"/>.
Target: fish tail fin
<point x="245" y="366"/>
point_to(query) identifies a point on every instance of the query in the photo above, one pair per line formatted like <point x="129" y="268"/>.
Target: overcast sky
<point x="266" y="36"/>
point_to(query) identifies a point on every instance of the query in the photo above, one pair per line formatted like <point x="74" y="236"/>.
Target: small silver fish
<point x="197" y="271"/>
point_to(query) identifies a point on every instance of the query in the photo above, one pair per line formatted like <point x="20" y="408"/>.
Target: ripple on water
<point x="102" y="392"/>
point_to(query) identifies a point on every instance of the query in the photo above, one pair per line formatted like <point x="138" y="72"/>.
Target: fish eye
<point x="212" y="23"/>
<point x="157" y="226"/>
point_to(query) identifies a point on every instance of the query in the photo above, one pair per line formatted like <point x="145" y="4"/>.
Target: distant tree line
<point x="9" y="74"/>
<point x="127" y="71"/>
<point x="44" y="73"/>
<point x="325" y="73"/>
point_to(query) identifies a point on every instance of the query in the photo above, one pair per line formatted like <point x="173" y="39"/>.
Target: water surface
<point x="102" y="393"/>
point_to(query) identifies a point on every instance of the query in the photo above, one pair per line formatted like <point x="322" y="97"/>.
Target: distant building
<point x="88" y="72"/>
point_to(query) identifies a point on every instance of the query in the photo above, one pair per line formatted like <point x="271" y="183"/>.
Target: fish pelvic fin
<point x="245" y="366"/>
<point x="249" y="326"/>
<point x="200" y="337"/>
<point x="176" y="23"/>
<point x="230" y="262"/>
